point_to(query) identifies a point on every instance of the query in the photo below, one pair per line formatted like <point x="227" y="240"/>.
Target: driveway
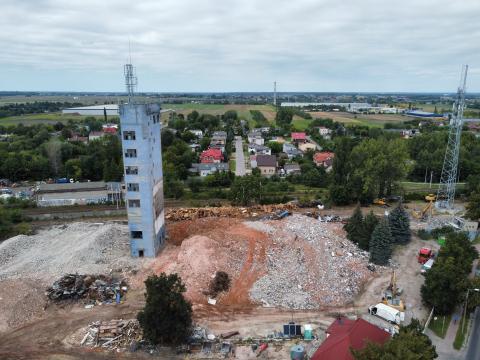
<point x="239" y="157"/>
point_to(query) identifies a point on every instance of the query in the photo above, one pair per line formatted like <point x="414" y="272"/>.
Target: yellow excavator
<point x="427" y="211"/>
<point x="391" y="296"/>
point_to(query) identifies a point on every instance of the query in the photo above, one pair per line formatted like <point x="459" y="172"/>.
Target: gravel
<point x="310" y="265"/>
<point x="84" y="248"/>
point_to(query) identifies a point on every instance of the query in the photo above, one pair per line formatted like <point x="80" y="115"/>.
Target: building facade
<point x="142" y="159"/>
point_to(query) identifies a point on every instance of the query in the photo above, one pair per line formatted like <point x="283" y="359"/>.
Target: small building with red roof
<point x="345" y="334"/>
<point x="298" y="137"/>
<point x="211" y="155"/>
<point x="324" y="158"/>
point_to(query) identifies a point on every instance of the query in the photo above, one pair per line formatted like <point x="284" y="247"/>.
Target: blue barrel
<point x="297" y="352"/>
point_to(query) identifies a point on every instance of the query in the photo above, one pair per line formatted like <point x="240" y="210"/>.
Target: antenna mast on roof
<point x="130" y="76"/>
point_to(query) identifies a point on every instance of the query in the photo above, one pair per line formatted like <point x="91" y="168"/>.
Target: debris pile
<point x="113" y="335"/>
<point x="179" y="214"/>
<point x="99" y="288"/>
<point x="311" y="264"/>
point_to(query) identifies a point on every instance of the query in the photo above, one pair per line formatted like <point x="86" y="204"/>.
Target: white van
<point x="387" y="313"/>
<point x="427" y="266"/>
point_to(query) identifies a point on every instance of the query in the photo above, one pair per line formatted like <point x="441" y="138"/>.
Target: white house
<point x="197" y="133"/>
<point x="259" y="149"/>
<point x="255" y="138"/>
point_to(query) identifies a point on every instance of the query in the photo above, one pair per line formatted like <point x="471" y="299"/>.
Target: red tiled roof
<point x="109" y="130"/>
<point x="299" y="136"/>
<point x="323" y="156"/>
<point x="212" y="152"/>
<point x="346" y="334"/>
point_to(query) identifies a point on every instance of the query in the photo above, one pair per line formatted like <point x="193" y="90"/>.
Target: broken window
<point x="129" y="135"/>
<point x="133" y="203"/>
<point x="131" y="153"/>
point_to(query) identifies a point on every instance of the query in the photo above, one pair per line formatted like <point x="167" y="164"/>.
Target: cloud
<point x="240" y="45"/>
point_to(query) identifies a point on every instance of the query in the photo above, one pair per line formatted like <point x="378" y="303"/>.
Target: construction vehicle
<point x="427" y="211"/>
<point x="380" y="202"/>
<point x="425" y="254"/>
<point x="391" y="297"/>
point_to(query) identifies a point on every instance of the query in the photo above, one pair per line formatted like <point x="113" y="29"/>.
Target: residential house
<point x="78" y="138"/>
<point x="292" y="169"/>
<point x="219" y="140"/>
<point x="207" y="169"/>
<point x="255" y="138"/>
<point x="197" y="133"/>
<point x="345" y="334"/>
<point x="211" y="155"/>
<point x="219" y="137"/>
<point x="307" y="146"/>
<point x="194" y="147"/>
<point x="259" y="149"/>
<point x="278" y="139"/>
<point x="298" y="137"/>
<point x="95" y="135"/>
<point x="324" y="132"/>
<point x="110" y="129"/>
<point x="324" y="158"/>
<point x="291" y="150"/>
<point x="267" y="164"/>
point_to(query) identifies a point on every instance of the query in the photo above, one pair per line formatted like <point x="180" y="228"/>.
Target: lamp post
<point x="465" y="310"/>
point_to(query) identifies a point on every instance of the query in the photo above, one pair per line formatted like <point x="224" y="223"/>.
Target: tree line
<point x="35" y="107"/>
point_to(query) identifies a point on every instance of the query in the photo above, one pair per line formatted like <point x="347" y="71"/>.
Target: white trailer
<point x="388" y="313"/>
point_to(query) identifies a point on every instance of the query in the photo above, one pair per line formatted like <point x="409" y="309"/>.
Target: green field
<point x="51" y="118"/>
<point x="409" y="186"/>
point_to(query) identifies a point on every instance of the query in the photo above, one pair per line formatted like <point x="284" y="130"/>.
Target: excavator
<point x="391" y="296"/>
<point x="427" y="211"/>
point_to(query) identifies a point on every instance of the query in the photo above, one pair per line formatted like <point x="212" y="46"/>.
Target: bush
<point x="424" y="234"/>
<point x="221" y="282"/>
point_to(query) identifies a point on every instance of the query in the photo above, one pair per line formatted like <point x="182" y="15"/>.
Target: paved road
<point x="473" y="352"/>
<point x="239" y="157"/>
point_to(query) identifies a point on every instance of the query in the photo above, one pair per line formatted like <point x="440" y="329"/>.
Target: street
<point x="239" y="157"/>
<point x="473" y="352"/>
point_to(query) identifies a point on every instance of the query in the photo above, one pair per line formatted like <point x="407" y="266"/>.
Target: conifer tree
<point x="355" y="226"/>
<point x="369" y="223"/>
<point x="381" y="243"/>
<point x="400" y="225"/>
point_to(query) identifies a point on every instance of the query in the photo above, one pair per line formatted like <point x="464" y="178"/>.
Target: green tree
<point x="173" y="188"/>
<point x="275" y="146"/>
<point x="473" y="206"/>
<point x="284" y="117"/>
<point x="400" y="225"/>
<point x="246" y="190"/>
<point x="381" y="243"/>
<point x="369" y="224"/>
<point x="167" y="315"/>
<point x="340" y="192"/>
<point x="194" y="184"/>
<point x="355" y="226"/>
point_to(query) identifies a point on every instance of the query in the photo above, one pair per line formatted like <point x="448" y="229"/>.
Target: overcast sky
<point x="244" y="45"/>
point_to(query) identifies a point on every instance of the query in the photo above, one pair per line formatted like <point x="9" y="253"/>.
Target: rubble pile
<point x="99" y="288"/>
<point x="311" y="264"/>
<point x="113" y="335"/>
<point x="179" y="214"/>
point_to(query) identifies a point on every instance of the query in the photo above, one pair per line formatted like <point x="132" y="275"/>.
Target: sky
<point x="244" y="45"/>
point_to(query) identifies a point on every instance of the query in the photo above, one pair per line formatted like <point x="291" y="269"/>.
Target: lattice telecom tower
<point x="275" y="93"/>
<point x="448" y="180"/>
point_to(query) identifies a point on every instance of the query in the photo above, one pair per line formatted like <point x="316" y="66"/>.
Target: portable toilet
<point x="308" y="332"/>
<point x="297" y="352"/>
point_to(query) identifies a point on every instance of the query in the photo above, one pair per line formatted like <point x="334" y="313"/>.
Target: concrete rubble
<point x="179" y="214"/>
<point x="93" y="288"/>
<point x="311" y="264"/>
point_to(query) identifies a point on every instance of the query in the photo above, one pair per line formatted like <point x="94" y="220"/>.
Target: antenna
<point x="130" y="81"/>
<point x="275" y="93"/>
<point x="448" y="180"/>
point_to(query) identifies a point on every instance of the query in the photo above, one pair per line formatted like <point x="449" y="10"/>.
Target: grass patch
<point x="410" y="186"/>
<point x="440" y="326"/>
<point x="300" y="124"/>
<point x="461" y="335"/>
<point x="233" y="165"/>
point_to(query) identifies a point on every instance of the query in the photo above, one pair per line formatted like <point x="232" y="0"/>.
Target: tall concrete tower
<point x="142" y="159"/>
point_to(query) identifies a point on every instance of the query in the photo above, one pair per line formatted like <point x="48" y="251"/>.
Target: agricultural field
<point x="372" y="120"/>
<point x="51" y="118"/>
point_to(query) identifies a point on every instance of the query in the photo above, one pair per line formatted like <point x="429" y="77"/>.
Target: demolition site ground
<point x="296" y="268"/>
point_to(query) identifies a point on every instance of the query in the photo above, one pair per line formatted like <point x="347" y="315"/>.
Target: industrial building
<point x="95" y="110"/>
<point x="142" y="158"/>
